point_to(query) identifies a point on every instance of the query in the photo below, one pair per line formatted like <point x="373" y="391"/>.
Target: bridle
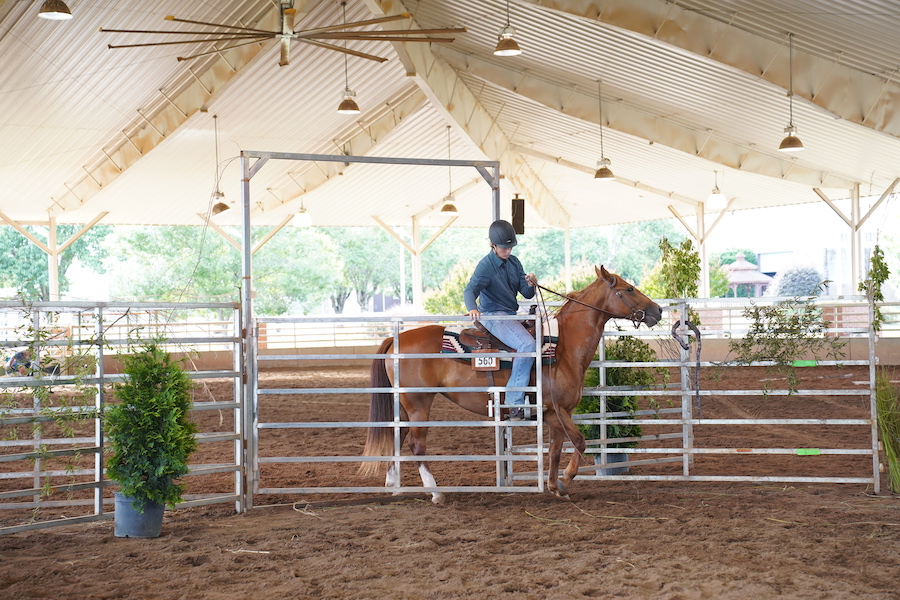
<point x="636" y="317"/>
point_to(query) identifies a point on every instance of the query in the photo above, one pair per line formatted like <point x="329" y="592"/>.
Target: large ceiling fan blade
<point x="417" y="31"/>
<point x="217" y="50"/>
<point x="176" y="20"/>
<point x="344" y="50"/>
<point x="224" y="39"/>
<point x="375" y="37"/>
<point x="304" y="32"/>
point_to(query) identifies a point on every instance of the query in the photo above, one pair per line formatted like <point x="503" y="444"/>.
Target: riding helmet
<point x="502" y="234"/>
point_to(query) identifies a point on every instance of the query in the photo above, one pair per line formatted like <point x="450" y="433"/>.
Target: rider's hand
<point x="474" y="314"/>
<point x="531" y="279"/>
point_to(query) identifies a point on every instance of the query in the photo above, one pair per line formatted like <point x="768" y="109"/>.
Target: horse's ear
<point x="602" y="272"/>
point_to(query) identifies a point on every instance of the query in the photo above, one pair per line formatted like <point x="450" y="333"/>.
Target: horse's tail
<point x="379" y="440"/>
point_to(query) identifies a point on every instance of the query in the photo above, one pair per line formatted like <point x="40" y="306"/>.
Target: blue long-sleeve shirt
<point x="495" y="283"/>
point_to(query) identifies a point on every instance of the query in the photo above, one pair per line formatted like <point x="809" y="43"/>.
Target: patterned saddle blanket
<point x="452" y="345"/>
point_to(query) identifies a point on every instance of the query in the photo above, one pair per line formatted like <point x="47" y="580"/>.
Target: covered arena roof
<point x="692" y="92"/>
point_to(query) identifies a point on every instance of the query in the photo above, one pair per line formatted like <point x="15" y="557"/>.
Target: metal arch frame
<point x="490" y="170"/>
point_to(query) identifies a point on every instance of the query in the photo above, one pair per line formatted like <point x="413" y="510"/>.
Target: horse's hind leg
<point x="418" y="406"/>
<point x="417" y="446"/>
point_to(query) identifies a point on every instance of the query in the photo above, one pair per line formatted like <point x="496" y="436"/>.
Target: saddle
<point x="479" y="338"/>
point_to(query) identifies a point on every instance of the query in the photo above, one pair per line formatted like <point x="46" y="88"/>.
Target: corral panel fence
<point x="681" y="442"/>
<point x="52" y="445"/>
<point x="354" y="341"/>
<point x="51" y="433"/>
<point x="678" y="440"/>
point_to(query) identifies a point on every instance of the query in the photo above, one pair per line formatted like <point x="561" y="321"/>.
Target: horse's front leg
<point x="573" y="434"/>
<point x="554" y="451"/>
<point x="417" y="447"/>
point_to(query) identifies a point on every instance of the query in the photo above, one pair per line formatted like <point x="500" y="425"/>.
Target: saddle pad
<point x="451" y="345"/>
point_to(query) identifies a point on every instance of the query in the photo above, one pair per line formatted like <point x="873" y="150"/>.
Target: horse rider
<point x="492" y="290"/>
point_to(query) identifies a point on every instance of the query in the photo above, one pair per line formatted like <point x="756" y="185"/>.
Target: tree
<point x="181" y="263"/>
<point x="797" y="281"/>
<point x="729" y="256"/>
<point x="448" y="298"/>
<point x="25" y="267"/>
<point x="370" y="260"/>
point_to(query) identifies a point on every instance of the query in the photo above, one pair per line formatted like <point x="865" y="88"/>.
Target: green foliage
<point x="448" y="298"/>
<point x="888" y="408"/>
<point x="798" y="281"/>
<point x="294" y="272"/>
<point x="676" y="275"/>
<point x="718" y="280"/>
<point x="149" y="433"/>
<point x="878" y="274"/>
<point x="783" y="333"/>
<point x="24" y="266"/>
<point x="371" y="260"/>
<point x="729" y="256"/>
<point x="623" y="348"/>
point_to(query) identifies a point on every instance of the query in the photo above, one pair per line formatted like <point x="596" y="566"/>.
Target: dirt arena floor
<point x="613" y="539"/>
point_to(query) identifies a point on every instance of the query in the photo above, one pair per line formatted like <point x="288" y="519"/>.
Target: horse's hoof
<point x="561" y="489"/>
<point x="438" y="499"/>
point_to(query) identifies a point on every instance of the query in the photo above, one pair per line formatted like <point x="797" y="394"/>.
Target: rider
<point x="497" y="279"/>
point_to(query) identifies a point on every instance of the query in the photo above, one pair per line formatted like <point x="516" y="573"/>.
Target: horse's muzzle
<point x="652" y="314"/>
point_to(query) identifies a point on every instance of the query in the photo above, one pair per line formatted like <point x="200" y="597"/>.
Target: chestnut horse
<point x="581" y="321"/>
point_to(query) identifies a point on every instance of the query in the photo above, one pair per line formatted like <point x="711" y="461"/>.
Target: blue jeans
<point x="514" y="335"/>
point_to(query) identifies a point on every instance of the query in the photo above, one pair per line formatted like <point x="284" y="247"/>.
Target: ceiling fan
<point x="320" y="36"/>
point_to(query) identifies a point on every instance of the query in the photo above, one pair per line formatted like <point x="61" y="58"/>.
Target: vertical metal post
<point x="495" y="192"/>
<point x="539" y="398"/>
<point x="873" y="407"/>
<point x="239" y="415"/>
<point x="396" y="364"/>
<point x="37" y="427"/>
<point x="687" y="409"/>
<point x="247" y="334"/>
<point x="99" y="462"/>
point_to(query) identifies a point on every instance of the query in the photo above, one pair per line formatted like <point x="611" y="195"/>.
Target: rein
<point x="636" y="316"/>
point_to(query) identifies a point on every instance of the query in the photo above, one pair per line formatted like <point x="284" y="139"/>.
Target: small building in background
<point x="745" y="280"/>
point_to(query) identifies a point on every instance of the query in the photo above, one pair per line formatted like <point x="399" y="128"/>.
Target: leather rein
<point x="636" y="316"/>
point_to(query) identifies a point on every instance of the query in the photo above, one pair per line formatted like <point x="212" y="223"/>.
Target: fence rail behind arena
<point x="52" y="435"/>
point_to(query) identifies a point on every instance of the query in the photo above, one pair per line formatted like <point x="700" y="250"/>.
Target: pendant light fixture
<point x="716" y="200"/>
<point x="449" y="201"/>
<point x="791" y="143"/>
<point x="55" y="10"/>
<point x="302" y="218"/>
<point x="348" y="105"/>
<point x="506" y="45"/>
<point x="603" y="171"/>
<point x="218" y="195"/>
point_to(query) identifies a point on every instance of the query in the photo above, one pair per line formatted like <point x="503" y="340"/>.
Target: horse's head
<point x="628" y="302"/>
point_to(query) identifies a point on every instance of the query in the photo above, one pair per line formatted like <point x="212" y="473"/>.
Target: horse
<point x="581" y="320"/>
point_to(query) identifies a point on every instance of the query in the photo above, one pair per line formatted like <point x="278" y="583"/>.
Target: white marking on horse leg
<point x="392" y="479"/>
<point x="428" y="481"/>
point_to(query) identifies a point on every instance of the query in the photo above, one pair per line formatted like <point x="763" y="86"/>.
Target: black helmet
<point x="502" y="234"/>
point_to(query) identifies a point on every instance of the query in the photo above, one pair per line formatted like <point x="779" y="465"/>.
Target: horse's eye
<point x="630" y="288"/>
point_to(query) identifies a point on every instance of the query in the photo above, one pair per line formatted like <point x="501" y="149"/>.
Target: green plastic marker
<point x="804" y="363"/>
<point x="808" y="451"/>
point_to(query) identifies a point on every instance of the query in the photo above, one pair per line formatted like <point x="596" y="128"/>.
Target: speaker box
<point x="518" y="215"/>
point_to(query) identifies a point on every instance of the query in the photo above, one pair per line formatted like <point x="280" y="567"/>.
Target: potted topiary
<point x="150" y="438"/>
<point x="623" y="348"/>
